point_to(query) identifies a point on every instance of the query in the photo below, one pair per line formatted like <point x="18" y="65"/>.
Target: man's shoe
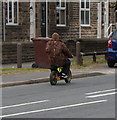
<point x="64" y="75"/>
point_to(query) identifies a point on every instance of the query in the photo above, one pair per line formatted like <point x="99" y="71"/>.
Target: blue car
<point x="112" y="50"/>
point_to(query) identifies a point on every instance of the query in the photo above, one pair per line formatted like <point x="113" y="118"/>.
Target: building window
<point x="85" y="12"/>
<point x="12" y="12"/>
<point x="61" y="12"/>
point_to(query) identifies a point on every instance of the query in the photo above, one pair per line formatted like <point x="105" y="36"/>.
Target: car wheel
<point x="110" y="64"/>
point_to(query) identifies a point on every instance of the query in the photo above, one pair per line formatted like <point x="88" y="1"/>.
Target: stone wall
<point x="38" y="18"/>
<point x="91" y="31"/>
<point x="52" y="18"/>
<point x="70" y="31"/>
<point x="112" y="14"/>
<point x="20" y="32"/>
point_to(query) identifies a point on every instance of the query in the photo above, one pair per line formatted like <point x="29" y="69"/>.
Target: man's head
<point x="55" y="36"/>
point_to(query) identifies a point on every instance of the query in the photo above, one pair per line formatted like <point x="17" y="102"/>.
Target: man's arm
<point x="67" y="52"/>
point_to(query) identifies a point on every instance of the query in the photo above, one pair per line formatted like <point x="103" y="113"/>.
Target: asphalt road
<point x="91" y="97"/>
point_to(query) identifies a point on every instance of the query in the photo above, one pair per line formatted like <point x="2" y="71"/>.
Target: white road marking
<point x="23" y="104"/>
<point x="100" y="95"/>
<point x="54" y="108"/>
<point x="110" y="90"/>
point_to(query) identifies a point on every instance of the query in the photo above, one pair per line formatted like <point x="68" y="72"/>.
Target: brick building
<point x="72" y="20"/>
<point x="22" y="21"/>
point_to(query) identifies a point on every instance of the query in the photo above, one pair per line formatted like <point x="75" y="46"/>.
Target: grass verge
<point x="88" y="62"/>
<point x="7" y="71"/>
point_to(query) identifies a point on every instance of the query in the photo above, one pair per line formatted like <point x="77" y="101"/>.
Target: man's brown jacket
<point x="64" y="53"/>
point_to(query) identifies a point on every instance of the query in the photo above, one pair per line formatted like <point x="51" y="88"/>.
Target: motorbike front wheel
<point x="53" y="77"/>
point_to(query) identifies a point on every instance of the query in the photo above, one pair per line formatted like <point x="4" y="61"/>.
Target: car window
<point x="115" y="35"/>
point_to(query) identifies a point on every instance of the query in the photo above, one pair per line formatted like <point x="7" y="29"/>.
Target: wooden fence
<point x="24" y="52"/>
<point x="12" y="51"/>
<point x="90" y="48"/>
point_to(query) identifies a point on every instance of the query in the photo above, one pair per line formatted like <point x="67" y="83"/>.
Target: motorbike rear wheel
<point x="68" y="79"/>
<point x="53" y="77"/>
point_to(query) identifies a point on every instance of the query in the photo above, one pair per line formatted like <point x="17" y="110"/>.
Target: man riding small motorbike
<point x="58" y="54"/>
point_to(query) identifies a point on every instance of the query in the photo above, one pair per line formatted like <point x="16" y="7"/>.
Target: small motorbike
<point x="56" y="75"/>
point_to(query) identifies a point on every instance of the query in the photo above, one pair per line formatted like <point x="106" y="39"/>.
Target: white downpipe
<point x="80" y="21"/>
<point x="106" y="19"/>
<point x="107" y="16"/>
<point x="46" y="18"/>
<point x="3" y="21"/>
<point x="99" y="29"/>
<point x="32" y="19"/>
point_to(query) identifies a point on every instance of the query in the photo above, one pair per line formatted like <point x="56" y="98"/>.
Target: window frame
<point x="12" y="12"/>
<point x="60" y="8"/>
<point x="85" y="10"/>
<point x="116" y="16"/>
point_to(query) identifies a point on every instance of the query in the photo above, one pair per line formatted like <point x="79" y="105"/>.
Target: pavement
<point x="39" y="77"/>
